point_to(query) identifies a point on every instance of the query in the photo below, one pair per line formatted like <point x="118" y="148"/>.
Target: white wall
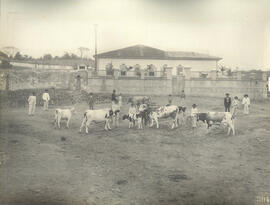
<point x="41" y="66"/>
<point x="195" y="65"/>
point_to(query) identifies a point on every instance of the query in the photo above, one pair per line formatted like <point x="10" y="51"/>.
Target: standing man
<point x="46" y="99"/>
<point x="227" y="102"/>
<point x="170" y="100"/>
<point x="120" y="100"/>
<point x="91" y="101"/>
<point x="32" y="100"/>
<point x="114" y="100"/>
<point x="246" y="103"/>
<point x="182" y="97"/>
<point x="194" y="115"/>
<point x="235" y="105"/>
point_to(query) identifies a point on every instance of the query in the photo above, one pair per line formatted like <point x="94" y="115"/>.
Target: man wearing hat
<point x="246" y="103"/>
<point x="227" y="102"/>
<point x="46" y="99"/>
<point x="91" y="102"/>
<point x="193" y="113"/>
<point x="114" y="99"/>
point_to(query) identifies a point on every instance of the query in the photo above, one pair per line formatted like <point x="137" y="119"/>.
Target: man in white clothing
<point x="246" y="103"/>
<point x="32" y="104"/>
<point x="46" y="99"/>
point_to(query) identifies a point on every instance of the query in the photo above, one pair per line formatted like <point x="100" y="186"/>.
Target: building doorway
<point x="78" y="82"/>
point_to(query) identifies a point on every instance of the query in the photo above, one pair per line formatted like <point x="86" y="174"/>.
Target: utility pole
<point x="0" y="9"/>
<point x="96" y="68"/>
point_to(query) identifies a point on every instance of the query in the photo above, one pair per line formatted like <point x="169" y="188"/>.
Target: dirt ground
<point x="43" y="165"/>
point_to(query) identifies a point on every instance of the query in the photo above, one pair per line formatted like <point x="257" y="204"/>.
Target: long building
<point x="144" y="56"/>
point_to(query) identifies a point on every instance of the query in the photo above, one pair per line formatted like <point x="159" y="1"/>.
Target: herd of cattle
<point x="145" y="115"/>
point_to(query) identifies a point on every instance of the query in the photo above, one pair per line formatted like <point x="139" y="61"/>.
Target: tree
<point x="3" y="55"/>
<point x="229" y="72"/>
<point x="25" y="57"/>
<point x="18" y="56"/>
<point x="47" y="57"/>
<point x="5" y="64"/>
<point x="73" y="56"/>
<point x="66" y="56"/>
<point x="10" y="50"/>
<point x="83" y="51"/>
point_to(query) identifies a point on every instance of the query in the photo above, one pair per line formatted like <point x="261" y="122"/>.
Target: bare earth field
<point x="43" y="165"/>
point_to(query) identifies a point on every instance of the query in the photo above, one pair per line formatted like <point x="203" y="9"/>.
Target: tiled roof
<point x="189" y="55"/>
<point x="146" y="52"/>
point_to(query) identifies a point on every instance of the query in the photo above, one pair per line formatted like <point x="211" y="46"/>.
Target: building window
<point x="151" y="70"/>
<point x="137" y="70"/>
<point x="180" y="69"/>
<point x="123" y="69"/>
<point x="109" y="69"/>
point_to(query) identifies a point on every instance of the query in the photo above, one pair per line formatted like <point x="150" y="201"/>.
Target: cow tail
<point x="85" y="115"/>
<point x="56" y="114"/>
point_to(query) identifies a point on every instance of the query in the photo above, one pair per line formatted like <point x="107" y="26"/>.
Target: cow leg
<point x="139" y="123"/>
<point x="233" y="130"/>
<point x="172" y="125"/>
<point x="176" y="120"/>
<point x="157" y="122"/>
<point x="231" y="127"/>
<point x="117" y="119"/>
<point x="229" y="130"/>
<point x="107" y="124"/>
<point x="59" y="122"/>
<point x="132" y="123"/>
<point x="87" y="124"/>
<point x="152" y="122"/>
<point x="55" y="122"/>
<point x="68" y="122"/>
<point x="113" y="118"/>
<point x="82" y="125"/>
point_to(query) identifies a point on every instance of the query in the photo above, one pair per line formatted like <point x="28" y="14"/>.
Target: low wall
<point x="218" y="88"/>
<point x="36" y="79"/>
<point x="133" y="86"/>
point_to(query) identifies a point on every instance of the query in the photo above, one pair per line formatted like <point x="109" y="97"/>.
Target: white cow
<point x="213" y="118"/>
<point x="170" y="111"/>
<point x="64" y="114"/>
<point x="101" y="115"/>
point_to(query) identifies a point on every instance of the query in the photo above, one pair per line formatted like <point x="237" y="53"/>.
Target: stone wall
<point x="36" y="79"/>
<point x="219" y="87"/>
<point x="132" y="85"/>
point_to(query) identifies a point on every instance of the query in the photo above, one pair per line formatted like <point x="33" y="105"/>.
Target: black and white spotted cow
<point x="116" y="114"/>
<point x="140" y="116"/>
<point x="101" y="115"/>
<point x="169" y="111"/>
<point x="217" y="118"/>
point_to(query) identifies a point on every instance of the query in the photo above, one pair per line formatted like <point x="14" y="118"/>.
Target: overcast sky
<point x="236" y="30"/>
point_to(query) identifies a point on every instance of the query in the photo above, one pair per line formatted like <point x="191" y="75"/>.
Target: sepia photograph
<point x="134" y="102"/>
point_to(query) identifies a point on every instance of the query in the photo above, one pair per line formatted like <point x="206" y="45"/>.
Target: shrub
<point x="5" y="64"/>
